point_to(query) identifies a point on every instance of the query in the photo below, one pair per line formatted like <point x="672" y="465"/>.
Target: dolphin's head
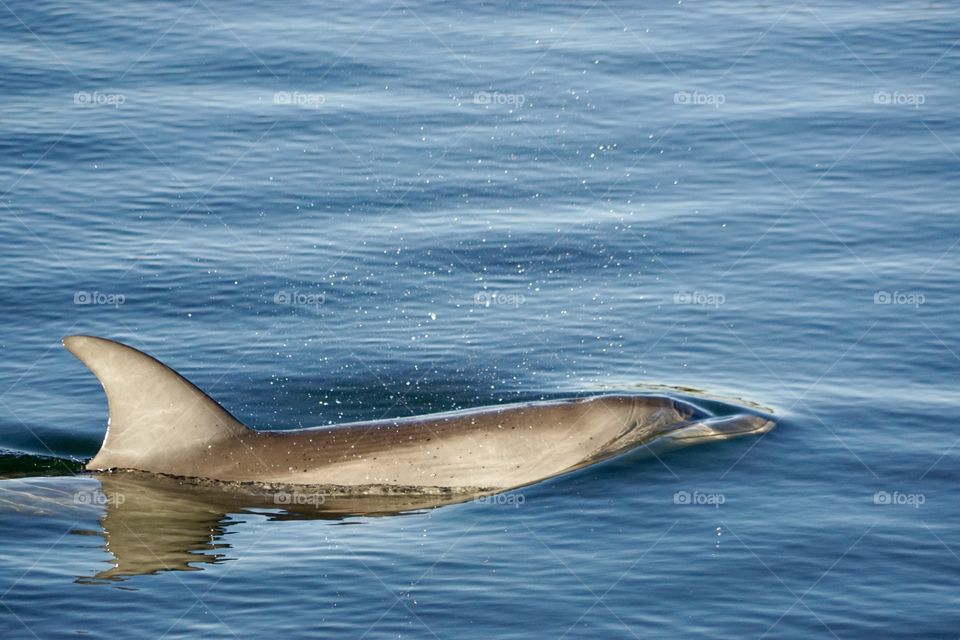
<point x="719" y="428"/>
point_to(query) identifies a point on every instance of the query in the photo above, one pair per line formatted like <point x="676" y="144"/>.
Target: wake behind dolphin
<point x="161" y="423"/>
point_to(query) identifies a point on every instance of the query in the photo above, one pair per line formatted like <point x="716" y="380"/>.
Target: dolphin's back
<point x="494" y="447"/>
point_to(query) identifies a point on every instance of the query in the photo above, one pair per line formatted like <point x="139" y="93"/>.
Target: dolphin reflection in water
<point x="152" y="523"/>
<point x="157" y="523"/>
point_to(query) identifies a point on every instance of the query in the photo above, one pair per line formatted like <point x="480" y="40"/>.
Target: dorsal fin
<point x="158" y="419"/>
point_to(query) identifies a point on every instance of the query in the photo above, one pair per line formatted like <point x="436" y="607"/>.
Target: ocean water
<point x="321" y="213"/>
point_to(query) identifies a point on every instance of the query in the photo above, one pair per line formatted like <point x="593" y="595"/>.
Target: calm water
<point x="322" y="213"/>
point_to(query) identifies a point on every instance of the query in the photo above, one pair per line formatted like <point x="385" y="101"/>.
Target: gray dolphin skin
<point x="160" y="422"/>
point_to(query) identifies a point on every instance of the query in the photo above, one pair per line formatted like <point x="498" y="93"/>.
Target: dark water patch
<point x="15" y="464"/>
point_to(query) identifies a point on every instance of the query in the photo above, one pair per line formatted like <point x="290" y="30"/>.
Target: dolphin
<point x="161" y="423"/>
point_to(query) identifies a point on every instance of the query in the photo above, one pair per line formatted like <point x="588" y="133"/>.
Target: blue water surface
<point x="322" y="212"/>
